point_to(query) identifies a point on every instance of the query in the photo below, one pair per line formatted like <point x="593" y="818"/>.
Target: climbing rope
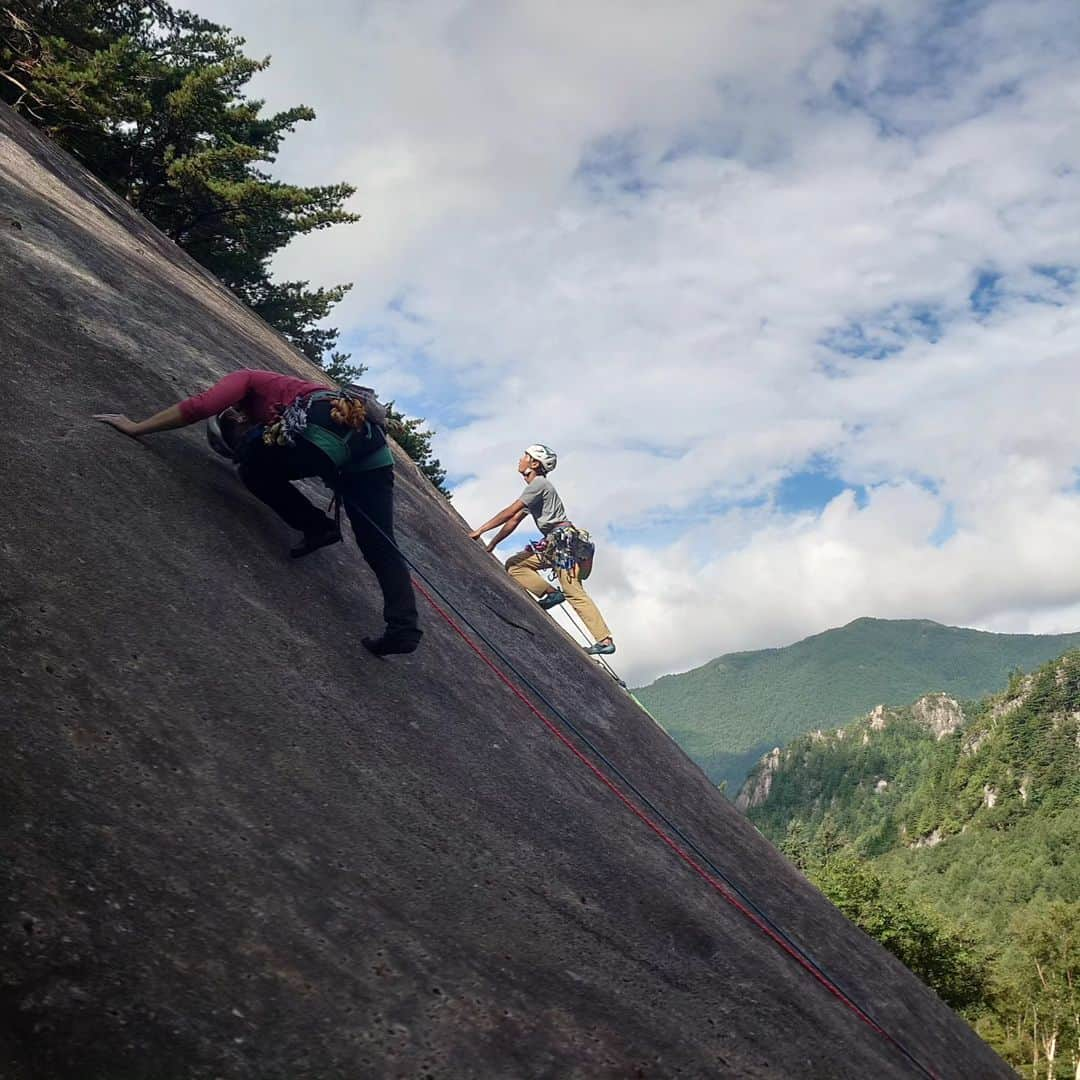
<point x="713" y="876"/>
<point x="582" y="632"/>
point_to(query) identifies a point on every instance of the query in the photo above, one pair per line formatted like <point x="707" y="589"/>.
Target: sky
<point x="791" y="288"/>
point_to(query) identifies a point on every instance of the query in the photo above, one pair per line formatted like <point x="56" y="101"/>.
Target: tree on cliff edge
<point x="150" y="100"/>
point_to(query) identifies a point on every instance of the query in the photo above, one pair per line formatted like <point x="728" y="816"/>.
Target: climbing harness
<point x="702" y="865"/>
<point x="565" y="547"/>
<point x="347" y="419"/>
<point x="294" y="422"/>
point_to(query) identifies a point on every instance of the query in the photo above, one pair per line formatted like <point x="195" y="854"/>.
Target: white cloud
<point x="632" y="232"/>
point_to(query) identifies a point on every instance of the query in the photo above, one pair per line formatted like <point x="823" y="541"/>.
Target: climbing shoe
<point x="393" y="641"/>
<point x="552" y="599"/>
<point x="601" y="650"/>
<point x="314" y="541"/>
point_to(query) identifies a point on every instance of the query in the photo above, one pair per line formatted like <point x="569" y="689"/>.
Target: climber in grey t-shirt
<point x="542" y="501"/>
<point x="565" y="551"/>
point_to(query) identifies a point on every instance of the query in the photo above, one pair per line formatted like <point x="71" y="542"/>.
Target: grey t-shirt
<point x="543" y="502"/>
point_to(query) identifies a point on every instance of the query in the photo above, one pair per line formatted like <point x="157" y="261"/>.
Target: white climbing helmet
<point x="216" y="437"/>
<point x="544" y="454"/>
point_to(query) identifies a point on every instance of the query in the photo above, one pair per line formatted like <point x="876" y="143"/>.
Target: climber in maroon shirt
<point x="259" y="395"/>
<point x="279" y="428"/>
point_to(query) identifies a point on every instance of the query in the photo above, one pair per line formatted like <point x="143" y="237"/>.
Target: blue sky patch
<point x="987" y="293"/>
<point x="885" y="333"/>
<point x="856" y="341"/>
<point x="813" y="489"/>
<point x="1062" y="276"/>
<point x="927" y="483"/>
<point x="895" y="61"/>
<point x="946" y="527"/>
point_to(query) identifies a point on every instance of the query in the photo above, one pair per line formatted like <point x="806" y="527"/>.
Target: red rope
<point x="638" y="813"/>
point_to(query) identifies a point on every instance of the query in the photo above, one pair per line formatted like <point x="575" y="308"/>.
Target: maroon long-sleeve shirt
<point x="257" y="394"/>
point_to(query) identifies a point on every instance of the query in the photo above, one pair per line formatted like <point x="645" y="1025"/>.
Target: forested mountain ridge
<point x="967" y="816"/>
<point x="920" y="774"/>
<point x="728" y="712"/>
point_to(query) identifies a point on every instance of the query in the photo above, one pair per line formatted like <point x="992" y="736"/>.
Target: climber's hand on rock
<point x="121" y="423"/>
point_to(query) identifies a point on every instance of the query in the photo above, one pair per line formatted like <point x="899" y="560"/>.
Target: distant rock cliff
<point x="937" y="713"/>
<point x="756" y="790"/>
<point x="237" y="846"/>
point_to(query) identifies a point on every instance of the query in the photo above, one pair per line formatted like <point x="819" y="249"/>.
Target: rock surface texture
<point x="235" y="845"/>
<point x="939" y="713"/>
<point x="756" y="790"/>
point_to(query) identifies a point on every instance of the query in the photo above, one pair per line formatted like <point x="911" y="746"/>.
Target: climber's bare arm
<point x="163" y="421"/>
<point x="507" y="529"/>
<point x="509" y="519"/>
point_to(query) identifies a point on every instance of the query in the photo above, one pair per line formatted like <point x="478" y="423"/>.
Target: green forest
<point x="151" y="100"/>
<point x="728" y="712"/>
<point x="959" y="850"/>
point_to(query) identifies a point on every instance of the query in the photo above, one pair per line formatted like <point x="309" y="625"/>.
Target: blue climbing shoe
<point x="601" y="650"/>
<point x="552" y="599"/>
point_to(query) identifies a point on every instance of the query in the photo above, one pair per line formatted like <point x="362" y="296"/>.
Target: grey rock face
<point x="235" y="845"/>
<point x="939" y="713"/>
<point x="756" y="789"/>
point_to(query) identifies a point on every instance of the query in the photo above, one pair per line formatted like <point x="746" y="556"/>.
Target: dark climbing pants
<point x="368" y="499"/>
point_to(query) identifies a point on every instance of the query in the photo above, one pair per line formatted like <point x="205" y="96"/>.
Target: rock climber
<point x="565" y="550"/>
<point x="278" y="428"/>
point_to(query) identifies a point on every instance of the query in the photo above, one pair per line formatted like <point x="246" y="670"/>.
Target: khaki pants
<point x="523" y="568"/>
